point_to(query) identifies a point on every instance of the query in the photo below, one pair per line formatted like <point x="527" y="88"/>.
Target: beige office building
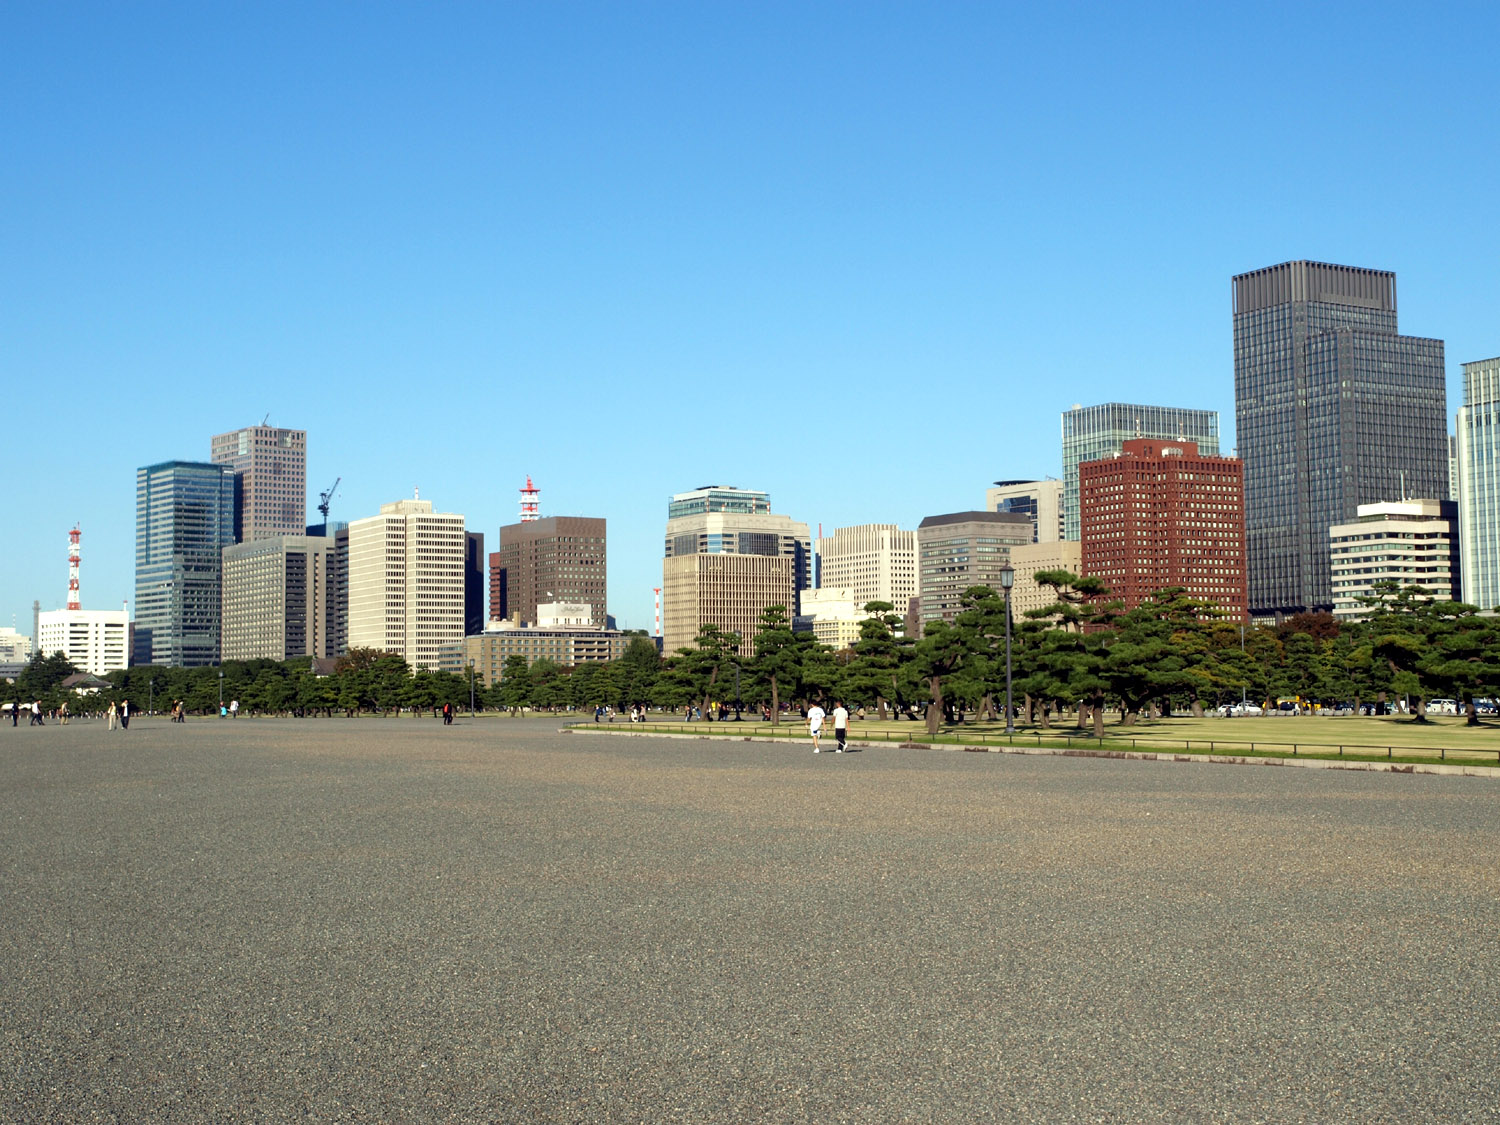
<point x="94" y="640"/>
<point x="406" y="581"/>
<point x="730" y="591"/>
<point x="1408" y="542"/>
<point x="877" y="562"/>
<point x="833" y="615"/>
<point x="281" y="599"/>
<point x="569" y="646"/>
<point x="1029" y="559"/>
<point x="1040" y="501"/>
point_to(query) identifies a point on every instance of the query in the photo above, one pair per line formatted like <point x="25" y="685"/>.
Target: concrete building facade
<point x="96" y="641"/>
<point x="1478" y="457"/>
<point x="406" y="581"/>
<point x="281" y="599"/>
<point x="1409" y="542"/>
<point x="558" y="558"/>
<point x="727" y="590"/>
<point x="270" y="475"/>
<point x="963" y="549"/>
<point x="877" y="562"/>
<point x="1041" y="501"/>
<point x="1160" y="514"/>
<point x="833" y="615"/>
<point x="1334" y="408"/>
<point x="1092" y="432"/>
<point x="1028" y="560"/>
<point x="568" y="646"/>
<point x="184" y="518"/>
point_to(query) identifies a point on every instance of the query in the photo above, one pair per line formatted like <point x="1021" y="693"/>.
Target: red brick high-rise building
<point x="1160" y="514"/>
<point x="555" y="559"/>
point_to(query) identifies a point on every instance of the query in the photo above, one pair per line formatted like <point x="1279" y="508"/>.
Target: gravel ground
<point x="381" y="920"/>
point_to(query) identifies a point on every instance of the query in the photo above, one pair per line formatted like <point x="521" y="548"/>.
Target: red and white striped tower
<point x="73" y="537"/>
<point x="530" y="508"/>
<point x="657" y="591"/>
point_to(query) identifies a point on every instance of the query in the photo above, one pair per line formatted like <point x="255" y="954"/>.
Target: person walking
<point x="815" y="725"/>
<point x="114" y="715"/>
<point x="36" y="713"/>
<point x="125" y="714"/>
<point x="841" y="725"/>
<point x="15" y="712"/>
<point x="62" y="713"/>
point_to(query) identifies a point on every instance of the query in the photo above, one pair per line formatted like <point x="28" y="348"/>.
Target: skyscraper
<point x="1479" y="484"/>
<point x="406" y="581"/>
<point x="1092" y="432"/>
<point x="270" y="475"/>
<point x="184" y="518"/>
<point x="555" y="559"/>
<point x="728" y="558"/>
<point x="1333" y="409"/>
<point x="1157" y="515"/>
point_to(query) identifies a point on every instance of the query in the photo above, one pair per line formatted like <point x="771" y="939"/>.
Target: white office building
<point x="876" y="562"/>
<point x="94" y="640"/>
<point x="1408" y="542"/>
<point x="406" y="581"/>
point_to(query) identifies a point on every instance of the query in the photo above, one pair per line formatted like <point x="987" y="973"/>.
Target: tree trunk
<point x="775" y="703"/>
<point x="1098" y="709"/>
<point x="1419" y="713"/>
<point x="1129" y="715"/>
<point x="935" y="708"/>
<point x="712" y="677"/>
<point x="880" y="707"/>
<point x="1083" y="714"/>
<point x="1472" y="712"/>
<point x="1043" y="713"/>
<point x="986" y="708"/>
<point x="1197" y="708"/>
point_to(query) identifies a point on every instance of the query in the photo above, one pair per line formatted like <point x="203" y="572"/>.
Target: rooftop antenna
<point x="530" y="508"/>
<point x="73" y="602"/>
<point x="266" y="419"/>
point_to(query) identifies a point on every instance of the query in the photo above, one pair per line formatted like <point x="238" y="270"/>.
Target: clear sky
<point x="859" y="255"/>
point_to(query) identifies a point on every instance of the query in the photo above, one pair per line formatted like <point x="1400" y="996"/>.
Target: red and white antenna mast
<point x="657" y="591"/>
<point x="530" y="509"/>
<point x="73" y="537"/>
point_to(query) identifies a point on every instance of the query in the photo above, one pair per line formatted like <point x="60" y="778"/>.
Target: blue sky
<point x="858" y="255"/>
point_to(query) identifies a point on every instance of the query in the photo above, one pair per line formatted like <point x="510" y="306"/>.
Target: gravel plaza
<point x="388" y="920"/>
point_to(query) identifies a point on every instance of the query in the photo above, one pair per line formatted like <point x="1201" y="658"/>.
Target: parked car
<point x="1443" y="706"/>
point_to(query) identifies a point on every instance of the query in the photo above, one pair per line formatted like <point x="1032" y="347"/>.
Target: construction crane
<point x="326" y="498"/>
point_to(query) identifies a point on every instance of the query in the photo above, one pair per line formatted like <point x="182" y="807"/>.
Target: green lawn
<point x="1441" y="738"/>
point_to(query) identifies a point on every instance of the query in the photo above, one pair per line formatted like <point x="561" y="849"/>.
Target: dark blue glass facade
<point x="184" y="518"/>
<point x="1333" y="409"/>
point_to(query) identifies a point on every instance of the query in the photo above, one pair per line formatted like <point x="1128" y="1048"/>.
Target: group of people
<point x="815" y="717"/>
<point x="34" y="713"/>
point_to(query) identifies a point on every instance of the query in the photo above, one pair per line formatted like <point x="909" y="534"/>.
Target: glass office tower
<point x="1092" y="432"/>
<point x="1333" y="409"/>
<point x="1478" y="441"/>
<point x="184" y="518"/>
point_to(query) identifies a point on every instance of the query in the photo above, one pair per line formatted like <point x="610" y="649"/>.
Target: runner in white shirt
<point x="815" y="724"/>
<point x="841" y="725"/>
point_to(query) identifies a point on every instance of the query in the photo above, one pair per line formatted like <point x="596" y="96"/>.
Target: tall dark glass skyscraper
<point x="1333" y="409"/>
<point x="184" y="518"/>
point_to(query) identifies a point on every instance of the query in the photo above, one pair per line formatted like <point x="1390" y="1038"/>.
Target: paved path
<point x="385" y="920"/>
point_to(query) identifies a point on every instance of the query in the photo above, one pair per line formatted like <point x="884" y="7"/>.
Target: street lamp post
<point x="1007" y="580"/>
<point x="221" y="694"/>
<point x="471" y="689"/>
<point x="151" y="696"/>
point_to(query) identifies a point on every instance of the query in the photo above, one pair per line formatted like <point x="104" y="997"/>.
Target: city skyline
<point x="819" y="215"/>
